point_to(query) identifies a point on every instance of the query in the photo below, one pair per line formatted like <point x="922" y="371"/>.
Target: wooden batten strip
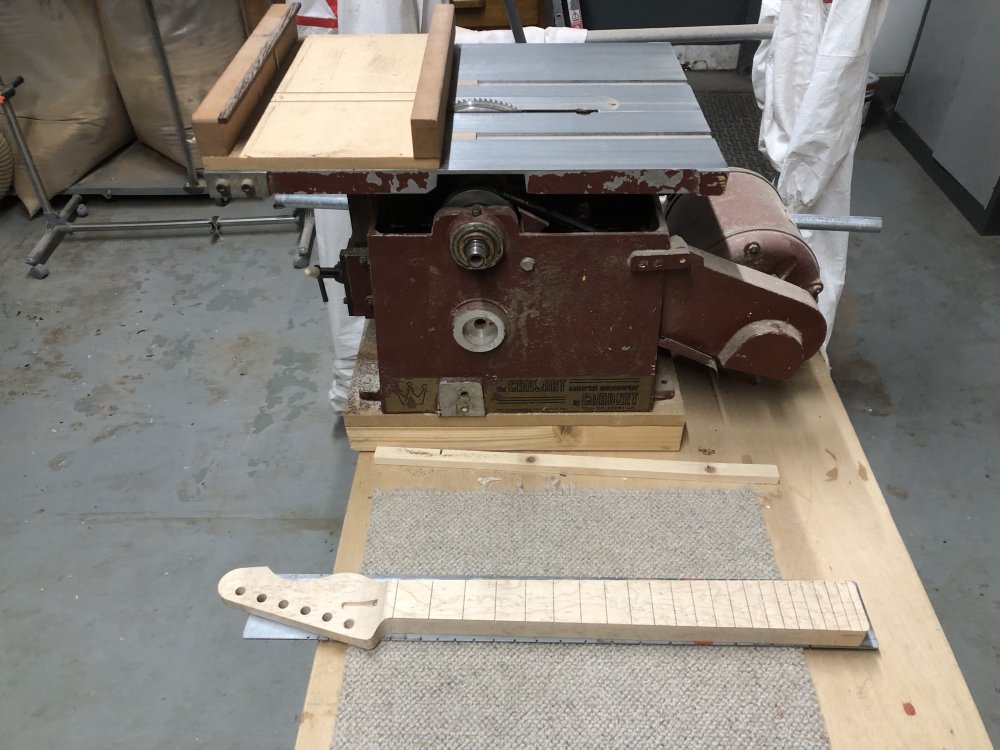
<point x="547" y="463"/>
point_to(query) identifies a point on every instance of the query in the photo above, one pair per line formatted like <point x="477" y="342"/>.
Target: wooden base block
<point x="659" y="429"/>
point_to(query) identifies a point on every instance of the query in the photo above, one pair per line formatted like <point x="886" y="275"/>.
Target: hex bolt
<point x="643" y="264"/>
<point x="752" y="248"/>
<point x="222" y="189"/>
<point x="527" y="264"/>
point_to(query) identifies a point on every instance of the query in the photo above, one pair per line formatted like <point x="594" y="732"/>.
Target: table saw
<point x="558" y="216"/>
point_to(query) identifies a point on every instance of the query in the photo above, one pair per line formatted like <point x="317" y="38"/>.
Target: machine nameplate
<point x="569" y="394"/>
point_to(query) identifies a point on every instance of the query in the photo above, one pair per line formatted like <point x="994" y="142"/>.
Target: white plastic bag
<point x="333" y="230"/>
<point x="810" y="84"/>
<point x="379" y="16"/>
<point x="532" y="35"/>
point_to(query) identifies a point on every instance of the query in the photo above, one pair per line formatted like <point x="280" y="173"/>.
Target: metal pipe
<point x="122" y="226"/>
<point x="872" y="224"/>
<point x="168" y="80"/>
<point x="50" y="240"/>
<point x="686" y="34"/>
<point x="317" y="200"/>
<point x="251" y="221"/>
<point x="27" y="160"/>
<point x="514" y="19"/>
<point x="304" y="249"/>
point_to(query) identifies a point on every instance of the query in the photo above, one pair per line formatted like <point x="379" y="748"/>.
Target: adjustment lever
<point x="321" y="273"/>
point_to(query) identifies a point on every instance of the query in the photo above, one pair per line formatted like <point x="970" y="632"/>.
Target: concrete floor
<point x="163" y="419"/>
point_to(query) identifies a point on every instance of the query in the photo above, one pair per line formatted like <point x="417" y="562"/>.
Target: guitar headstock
<point x="346" y="607"/>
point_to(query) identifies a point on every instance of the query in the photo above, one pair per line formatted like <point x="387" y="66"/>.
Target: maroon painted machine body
<point x="491" y="307"/>
<point x="574" y="329"/>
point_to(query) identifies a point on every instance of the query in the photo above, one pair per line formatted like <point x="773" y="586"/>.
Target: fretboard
<point x="827" y="613"/>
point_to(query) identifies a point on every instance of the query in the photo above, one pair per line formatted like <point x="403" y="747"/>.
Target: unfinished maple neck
<point x="360" y="611"/>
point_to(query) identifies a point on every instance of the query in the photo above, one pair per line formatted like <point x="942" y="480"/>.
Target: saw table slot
<point x="569" y="124"/>
<point x="620" y="97"/>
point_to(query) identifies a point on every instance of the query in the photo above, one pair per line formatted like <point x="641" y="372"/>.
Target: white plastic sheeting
<point x="532" y="35"/>
<point x="810" y="83"/>
<point x="384" y="16"/>
<point x="333" y="230"/>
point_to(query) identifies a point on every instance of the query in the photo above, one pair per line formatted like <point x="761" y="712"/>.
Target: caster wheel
<point x="81" y="210"/>
<point x="38" y="272"/>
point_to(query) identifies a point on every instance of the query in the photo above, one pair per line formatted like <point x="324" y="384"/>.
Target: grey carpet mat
<point x="489" y="695"/>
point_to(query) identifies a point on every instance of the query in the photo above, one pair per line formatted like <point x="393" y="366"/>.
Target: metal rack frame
<point x="62" y="223"/>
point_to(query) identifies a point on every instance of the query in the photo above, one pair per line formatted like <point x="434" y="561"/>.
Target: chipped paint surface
<point x="353" y="182"/>
<point x="542" y="329"/>
<point x="639" y="181"/>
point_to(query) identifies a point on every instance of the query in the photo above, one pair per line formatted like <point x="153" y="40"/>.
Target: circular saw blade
<point x="483" y="105"/>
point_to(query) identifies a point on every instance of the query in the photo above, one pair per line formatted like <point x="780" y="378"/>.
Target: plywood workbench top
<point x="826" y="519"/>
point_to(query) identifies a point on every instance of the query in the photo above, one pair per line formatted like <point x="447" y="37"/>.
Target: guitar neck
<point x="361" y="611"/>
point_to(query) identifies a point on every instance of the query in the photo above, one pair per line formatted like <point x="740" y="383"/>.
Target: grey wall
<point x="892" y="50"/>
<point x="951" y="96"/>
